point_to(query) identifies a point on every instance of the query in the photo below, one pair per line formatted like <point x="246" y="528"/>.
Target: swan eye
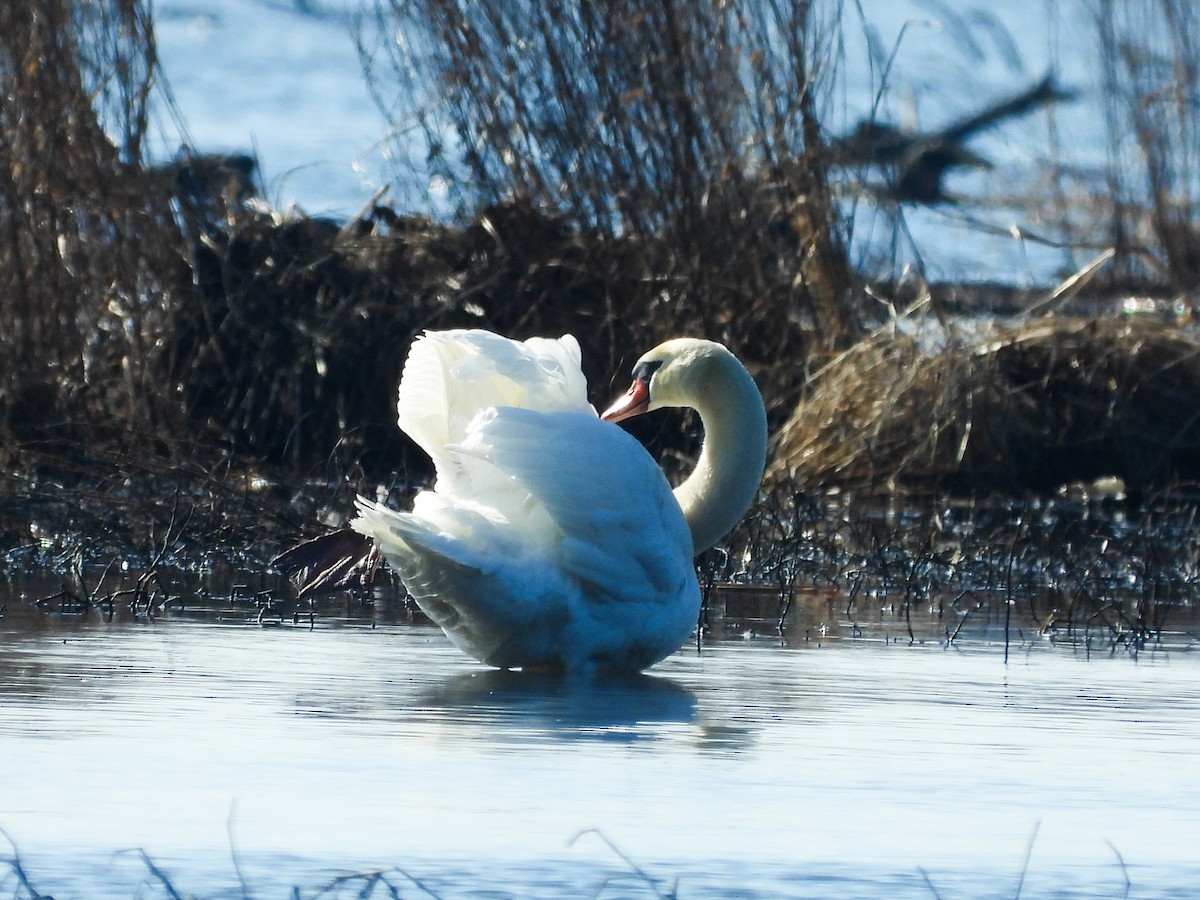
<point x="645" y="370"/>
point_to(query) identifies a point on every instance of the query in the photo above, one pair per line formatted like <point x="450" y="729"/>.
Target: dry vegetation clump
<point x="293" y="342"/>
<point x="87" y="239"/>
<point x="1026" y="408"/>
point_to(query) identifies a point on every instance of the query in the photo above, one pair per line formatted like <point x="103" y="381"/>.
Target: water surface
<point x="836" y="769"/>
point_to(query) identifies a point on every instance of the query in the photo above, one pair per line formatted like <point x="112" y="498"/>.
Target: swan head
<point x="675" y="373"/>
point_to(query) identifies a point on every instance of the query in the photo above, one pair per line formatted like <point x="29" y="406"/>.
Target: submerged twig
<point x="1028" y="855"/>
<point x="18" y="868"/>
<point x="1124" y="869"/>
<point x="636" y="870"/>
<point x="929" y="883"/>
<point x="157" y="873"/>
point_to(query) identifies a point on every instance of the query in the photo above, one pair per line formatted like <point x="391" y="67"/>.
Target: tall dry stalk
<point x="1150" y="65"/>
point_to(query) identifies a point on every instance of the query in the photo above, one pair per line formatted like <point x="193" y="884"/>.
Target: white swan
<point x="551" y="539"/>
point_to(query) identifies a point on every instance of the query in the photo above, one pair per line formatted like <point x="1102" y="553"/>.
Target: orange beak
<point x="634" y="402"/>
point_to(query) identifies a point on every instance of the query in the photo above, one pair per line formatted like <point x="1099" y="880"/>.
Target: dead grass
<point x="85" y="238"/>
<point x="161" y="310"/>
<point x="1150" y="82"/>
<point x="1023" y="408"/>
<point x="157" y="308"/>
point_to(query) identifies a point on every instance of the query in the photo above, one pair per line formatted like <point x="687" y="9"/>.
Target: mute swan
<point x="551" y="538"/>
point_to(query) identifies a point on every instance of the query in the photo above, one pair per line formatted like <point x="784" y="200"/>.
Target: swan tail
<point x="406" y="540"/>
<point x="464" y="589"/>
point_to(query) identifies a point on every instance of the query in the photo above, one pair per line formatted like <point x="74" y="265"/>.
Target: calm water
<point x="843" y="769"/>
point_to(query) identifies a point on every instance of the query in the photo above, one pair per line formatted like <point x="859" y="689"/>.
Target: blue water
<point x="750" y="769"/>
<point x="284" y="80"/>
<point x="248" y="75"/>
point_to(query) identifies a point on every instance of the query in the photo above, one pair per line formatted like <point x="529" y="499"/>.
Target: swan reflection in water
<point x="537" y="705"/>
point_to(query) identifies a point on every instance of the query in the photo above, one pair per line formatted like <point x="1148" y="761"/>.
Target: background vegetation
<point x="622" y="171"/>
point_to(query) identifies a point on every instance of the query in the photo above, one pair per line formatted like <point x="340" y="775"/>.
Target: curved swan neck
<point x="726" y="478"/>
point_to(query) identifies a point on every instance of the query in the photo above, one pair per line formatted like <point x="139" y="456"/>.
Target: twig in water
<point x="929" y="884"/>
<point x="1028" y="853"/>
<point x="14" y="863"/>
<point x="787" y="596"/>
<point x="237" y="866"/>
<point x="156" y="872"/>
<point x="637" y="870"/>
<point x="961" y="622"/>
<point x="1124" y="870"/>
<point x="1008" y="594"/>
<point x="64" y="594"/>
<point x="371" y="879"/>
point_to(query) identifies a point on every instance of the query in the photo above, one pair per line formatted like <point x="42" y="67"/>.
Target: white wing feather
<point x="451" y="375"/>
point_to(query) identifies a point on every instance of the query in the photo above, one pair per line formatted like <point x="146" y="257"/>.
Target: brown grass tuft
<point x="1024" y="408"/>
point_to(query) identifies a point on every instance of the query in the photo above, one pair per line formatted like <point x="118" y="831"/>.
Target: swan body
<point x="550" y="538"/>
